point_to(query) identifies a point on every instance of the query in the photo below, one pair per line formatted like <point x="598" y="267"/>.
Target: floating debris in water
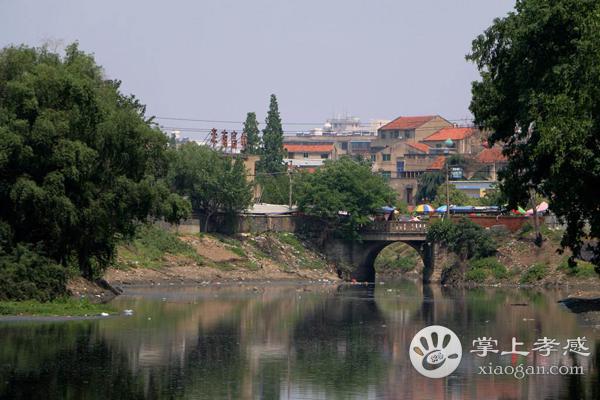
<point x="128" y="312"/>
<point x="104" y="314"/>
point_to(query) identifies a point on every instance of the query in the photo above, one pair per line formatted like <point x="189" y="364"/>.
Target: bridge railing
<point x="395" y="227"/>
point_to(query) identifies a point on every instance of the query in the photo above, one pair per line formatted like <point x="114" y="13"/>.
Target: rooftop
<point x="419" y="146"/>
<point x="438" y="163"/>
<point x="488" y="156"/>
<point x="450" y="133"/>
<point x="407" y="122"/>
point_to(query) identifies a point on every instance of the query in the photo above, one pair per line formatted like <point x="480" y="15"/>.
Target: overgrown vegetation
<point x="149" y="246"/>
<point x="480" y="269"/>
<point x="58" y="307"/>
<point x="464" y="238"/>
<point x="534" y="273"/>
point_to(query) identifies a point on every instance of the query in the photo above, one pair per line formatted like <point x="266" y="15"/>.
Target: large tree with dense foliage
<point x="272" y="152"/>
<point x="80" y="166"/>
<point x="214" y="182"/>
<point x="540" y="96"/>
<point x="345" y="193"/>
<point x="252" y="134"/>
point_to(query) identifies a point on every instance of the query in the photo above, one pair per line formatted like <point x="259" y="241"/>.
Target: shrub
<point x="28" y="275"/>
<point x="476" y="274"/>
<point x="491" y="264"/>
<point x="535" y="273"/>
<point x="464" y="238"/>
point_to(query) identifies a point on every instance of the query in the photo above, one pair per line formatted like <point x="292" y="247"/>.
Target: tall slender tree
<point x="252" y="134"/>
<point x="272" y="151"/>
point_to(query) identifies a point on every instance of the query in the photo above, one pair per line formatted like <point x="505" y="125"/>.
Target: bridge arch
<point x="359" y="255"/>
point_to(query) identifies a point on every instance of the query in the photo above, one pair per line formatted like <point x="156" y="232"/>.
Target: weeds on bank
<point x="150" y="245"/>
<point x="60" y="307"/>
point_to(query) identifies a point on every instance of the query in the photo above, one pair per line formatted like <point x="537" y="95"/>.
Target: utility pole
<point x="447" y="191"/>
<point x="290" y="186"/>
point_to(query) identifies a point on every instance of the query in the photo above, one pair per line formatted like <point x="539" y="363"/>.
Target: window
<point x="373" y="157"/>
<point x="383" y="135"/>
<point x="344" y="145"/>
<point x="386" y="175"/>
<point x="290" y="155"/>
<point x="408" y="134"/>
<point x="325" y="155"/>
<point x="399" y="167"/>
<point x="386" y="157"/>
<point x="305" y="155"/>
<point x="396" y="134"/>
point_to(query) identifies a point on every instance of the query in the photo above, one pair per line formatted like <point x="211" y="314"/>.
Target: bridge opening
<point x="398" y="259"/>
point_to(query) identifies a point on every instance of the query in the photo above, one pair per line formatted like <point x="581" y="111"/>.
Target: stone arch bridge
<point x="357" y="256"/>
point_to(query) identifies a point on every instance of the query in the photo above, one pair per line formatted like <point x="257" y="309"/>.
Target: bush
<point x="464" y="238"/>
<point x="476" y="275"/>
<point x="26" y="275"/>
<point x="490" y="264"/>
<point x="535" y="273"/>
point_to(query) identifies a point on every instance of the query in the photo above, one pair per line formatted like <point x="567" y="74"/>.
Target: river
<point x="296" y="341"/>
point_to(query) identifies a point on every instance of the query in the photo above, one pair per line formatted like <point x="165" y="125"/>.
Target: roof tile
<point x="407" y="122"/>
<point x="450" y="133"/>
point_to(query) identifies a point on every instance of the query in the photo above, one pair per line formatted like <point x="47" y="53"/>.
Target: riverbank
<point x="66" y="307"/>
<point x="158" y="257"/>
<point x="517" y="262"/>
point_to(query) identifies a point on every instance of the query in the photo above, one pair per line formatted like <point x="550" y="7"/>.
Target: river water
<point x="291" y="341"/>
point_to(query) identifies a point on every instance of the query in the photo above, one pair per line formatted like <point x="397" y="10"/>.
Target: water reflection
<point x="293" y="342"/>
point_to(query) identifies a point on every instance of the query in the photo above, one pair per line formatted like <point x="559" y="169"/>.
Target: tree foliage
<point x="457" y="197"/>
<point x="344" y="192"/>
<point x="428" y="184"/>
<point x="540" y="95"/>
<point x="272" y="152"/>
<point x="213" y="182"/>
<point x="464" y="238"/>
<point x="252" y="134"/>
<point x="80" y="164"/>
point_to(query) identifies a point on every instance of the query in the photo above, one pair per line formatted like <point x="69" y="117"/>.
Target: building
<point x="465" y="140"/>
<point x="308" y="155"/>
<point x="410" y="129"/>
<point x="491" y="160"/>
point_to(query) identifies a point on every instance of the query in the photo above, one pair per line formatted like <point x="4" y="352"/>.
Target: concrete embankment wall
<point x="248" y="224"/>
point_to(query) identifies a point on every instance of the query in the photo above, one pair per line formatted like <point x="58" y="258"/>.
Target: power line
<point x="362" y="124"/>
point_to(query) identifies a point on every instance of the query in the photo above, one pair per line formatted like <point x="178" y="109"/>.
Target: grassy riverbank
<point x="61" y="307"/>
<point x="157" y="256"/>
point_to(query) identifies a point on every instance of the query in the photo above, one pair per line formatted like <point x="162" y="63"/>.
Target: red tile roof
<point x="407" y="122"/>
<point x="488" y="156"/>
<point x="438" y="163"/>
<point x="450" y="133"/>
<point x="308" y="148"/>
<point x="419" y="146"/>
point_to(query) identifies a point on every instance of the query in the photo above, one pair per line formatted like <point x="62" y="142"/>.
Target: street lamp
<point x="448" y="144"/>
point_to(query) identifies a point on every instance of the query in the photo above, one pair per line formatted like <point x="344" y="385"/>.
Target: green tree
<point x="345" y="193"/>
<point x="252" y="134"/>
<point x="80" y="164"/>
<point x="464" y="238"/>
<point x="427" y="186"/>
<point x="272" y="152"/>
<point x="212" y="181"/>
<point x="539" y="94"/>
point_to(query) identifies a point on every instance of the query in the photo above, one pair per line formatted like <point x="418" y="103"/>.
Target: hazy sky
<point x="218" y="59"/>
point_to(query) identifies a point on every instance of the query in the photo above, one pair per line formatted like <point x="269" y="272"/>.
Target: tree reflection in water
<point x="287" y="341"/>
